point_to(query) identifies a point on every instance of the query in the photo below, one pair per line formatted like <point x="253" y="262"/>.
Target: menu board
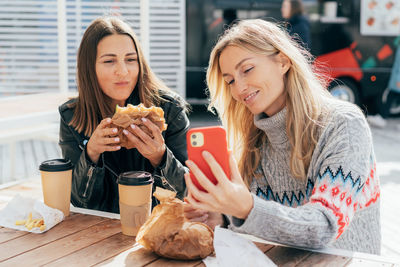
<point x="380" y="17"/>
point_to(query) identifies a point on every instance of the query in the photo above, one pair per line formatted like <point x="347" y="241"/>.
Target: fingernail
<point x="116" y="139"/>
<point x="125" y="132"/>
<point x="144" y="119"/>
<point x="118" y="147"/>
<point x="108" y="120"/>
<point x="133" y="126"/>
<point x="115" y="130"/>
<point x="206" y="154"/>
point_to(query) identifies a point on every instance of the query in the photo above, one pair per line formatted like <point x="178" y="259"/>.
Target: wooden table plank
<point x="9" y="234"/>
<point x="135" y="256"/>
<point x="98" y="252"/>
<point x="72" y="224"/>
<point x="67" y="245"/>
<point x="323" y="260"/>
<point x="280" y="255"/>
<point x="263" y="247"/>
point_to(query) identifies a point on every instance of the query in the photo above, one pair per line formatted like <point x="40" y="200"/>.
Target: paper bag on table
<point x="169" y="234"/>
<point x="20" y="207"/>
<point x="232" y="250"/>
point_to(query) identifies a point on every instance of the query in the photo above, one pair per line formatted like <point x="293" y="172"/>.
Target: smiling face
<point x="117" y="67"/>
<point x="255" y="80"/>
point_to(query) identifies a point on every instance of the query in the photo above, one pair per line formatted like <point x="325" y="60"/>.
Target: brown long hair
<point x="304" y="92"/>
<point x="92" y="104"/>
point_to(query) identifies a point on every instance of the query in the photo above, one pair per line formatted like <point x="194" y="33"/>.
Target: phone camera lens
<point x="195" y="143"/>
<point x="194" y="136"/>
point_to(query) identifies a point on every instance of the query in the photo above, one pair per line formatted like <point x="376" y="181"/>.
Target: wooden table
<point x="87" y="238"/>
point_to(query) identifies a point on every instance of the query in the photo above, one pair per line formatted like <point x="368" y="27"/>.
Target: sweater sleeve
<point x="345" y="182"/>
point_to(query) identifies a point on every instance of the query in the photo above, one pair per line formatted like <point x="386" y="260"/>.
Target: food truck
<point x="355" y="41"/>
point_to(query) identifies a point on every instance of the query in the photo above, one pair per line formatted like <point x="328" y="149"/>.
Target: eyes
<point x="128" y="60"/>
<point x="244" y="72"/>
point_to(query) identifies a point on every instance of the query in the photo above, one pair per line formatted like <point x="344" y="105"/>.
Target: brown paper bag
<point x="169" y="234"/>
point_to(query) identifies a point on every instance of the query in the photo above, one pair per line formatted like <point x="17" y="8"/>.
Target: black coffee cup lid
<point x="56" y="165"/>
<point x="135" y="178"/>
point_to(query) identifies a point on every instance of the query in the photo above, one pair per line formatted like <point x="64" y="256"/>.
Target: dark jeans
<point x="392" y="99"/>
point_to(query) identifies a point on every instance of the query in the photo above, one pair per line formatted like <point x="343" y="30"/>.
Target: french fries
<point x="32" y="223"/>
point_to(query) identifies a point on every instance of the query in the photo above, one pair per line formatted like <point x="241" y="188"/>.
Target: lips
<point x="121" y="83"/>
<point x="250" y="96"/>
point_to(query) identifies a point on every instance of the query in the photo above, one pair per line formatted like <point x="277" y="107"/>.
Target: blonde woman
<point x="113" y="71"/>
<point x="306" y="168"/>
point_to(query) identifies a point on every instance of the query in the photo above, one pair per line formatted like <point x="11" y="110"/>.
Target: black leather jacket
<point x="94" y="186"/>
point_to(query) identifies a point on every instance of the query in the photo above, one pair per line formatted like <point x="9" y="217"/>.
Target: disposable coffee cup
<point x="135" y="189"/>
<point x="56" y="183"/>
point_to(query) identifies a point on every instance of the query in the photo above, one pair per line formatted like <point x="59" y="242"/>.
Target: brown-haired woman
<point x="111" y="71"/>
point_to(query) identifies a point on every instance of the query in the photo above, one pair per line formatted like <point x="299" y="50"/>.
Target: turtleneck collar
<point x="274" y="126"/>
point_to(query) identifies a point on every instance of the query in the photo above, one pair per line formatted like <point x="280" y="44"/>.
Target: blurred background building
<point x="353" y="40"/>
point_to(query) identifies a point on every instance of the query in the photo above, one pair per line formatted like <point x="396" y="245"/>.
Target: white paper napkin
<point x="232" y="250"/>
<point x="19" y="208"/>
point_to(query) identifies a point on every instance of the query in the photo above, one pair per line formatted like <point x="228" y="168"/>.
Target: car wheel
<point x="345" y="89"/>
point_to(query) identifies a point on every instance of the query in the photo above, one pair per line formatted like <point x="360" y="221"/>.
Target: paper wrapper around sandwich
<point x="169" y="234"/>
<point x="125" y="116"/>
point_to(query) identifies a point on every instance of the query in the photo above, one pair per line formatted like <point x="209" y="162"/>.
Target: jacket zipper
<point x="89" y="175"/>
<point x="165" y="182"/>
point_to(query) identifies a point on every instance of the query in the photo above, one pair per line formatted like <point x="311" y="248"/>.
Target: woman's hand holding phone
<point x="213" y="140"/>
<point x="227" y="196"/>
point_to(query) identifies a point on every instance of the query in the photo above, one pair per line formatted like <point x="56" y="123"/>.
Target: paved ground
<point x="387" y="148"/>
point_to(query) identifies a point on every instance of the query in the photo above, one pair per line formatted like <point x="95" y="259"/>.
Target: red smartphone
<point x="212" y="139"/>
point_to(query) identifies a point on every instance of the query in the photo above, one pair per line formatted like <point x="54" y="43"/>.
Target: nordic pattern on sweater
<point x="337" y="188"/>
<point x="291" y="199"/>
<point x="344" y="195"/>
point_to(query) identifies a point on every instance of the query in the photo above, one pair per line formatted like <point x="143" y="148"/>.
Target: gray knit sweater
<point x="337" y="205"/>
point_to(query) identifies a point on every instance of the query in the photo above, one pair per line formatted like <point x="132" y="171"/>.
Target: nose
<point x="240" y="86"/>
<point x="121" y="69"/>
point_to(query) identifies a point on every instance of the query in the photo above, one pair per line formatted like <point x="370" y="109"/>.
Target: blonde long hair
<point x="304" y="92"/>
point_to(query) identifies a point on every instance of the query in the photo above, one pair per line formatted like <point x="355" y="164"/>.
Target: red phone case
<point x="214" y="141"/>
